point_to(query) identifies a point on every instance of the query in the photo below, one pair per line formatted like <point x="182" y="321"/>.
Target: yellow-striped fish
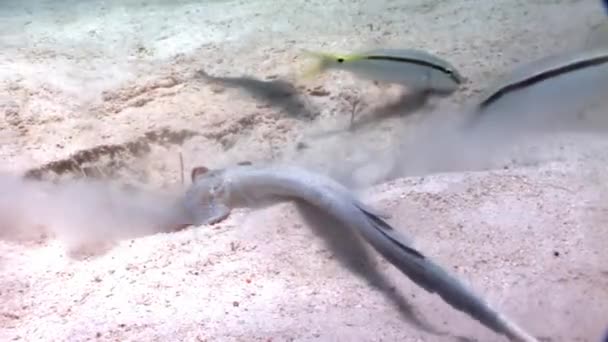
<point x="414" y="69"/>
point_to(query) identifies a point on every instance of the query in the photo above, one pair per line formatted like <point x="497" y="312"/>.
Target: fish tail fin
<point x="321" y="62"/>
<point x="435" y="279"/>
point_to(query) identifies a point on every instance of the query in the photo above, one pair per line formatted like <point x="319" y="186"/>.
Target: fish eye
<point x="340" y="60"/>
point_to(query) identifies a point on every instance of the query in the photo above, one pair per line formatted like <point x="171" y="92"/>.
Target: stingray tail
<point x="433" y="278"/>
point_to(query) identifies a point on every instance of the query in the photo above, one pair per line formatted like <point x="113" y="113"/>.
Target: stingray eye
<point x="340" y="60"/>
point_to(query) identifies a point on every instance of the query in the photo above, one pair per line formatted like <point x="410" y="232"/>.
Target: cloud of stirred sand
<point x="82" y="213"/>
<point x="443" y="142"/>
<point x="89" y="212"/>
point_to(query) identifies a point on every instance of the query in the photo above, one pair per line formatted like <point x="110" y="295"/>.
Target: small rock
<point x="217" y="89"/>
<point x="318" y="91"/>
<point x="301" y="145"/>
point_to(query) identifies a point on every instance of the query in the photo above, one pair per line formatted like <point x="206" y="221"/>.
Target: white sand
<point x="76" y="76"/>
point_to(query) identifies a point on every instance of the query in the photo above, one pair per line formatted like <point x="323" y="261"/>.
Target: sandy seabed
<point x="126" y="76"/>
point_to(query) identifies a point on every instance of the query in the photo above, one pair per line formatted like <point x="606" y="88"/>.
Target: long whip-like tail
<point x="435" y="279"/>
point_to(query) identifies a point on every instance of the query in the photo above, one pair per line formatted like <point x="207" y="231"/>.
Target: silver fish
<point x="547" y="92"/>
<point x="416" y="69"/>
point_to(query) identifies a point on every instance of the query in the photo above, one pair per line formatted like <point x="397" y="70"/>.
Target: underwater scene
<point x="304" y="170"/>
